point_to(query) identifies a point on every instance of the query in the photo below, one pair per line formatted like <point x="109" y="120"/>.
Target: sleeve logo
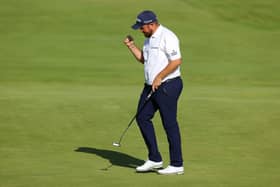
<point x="174" y="53"/>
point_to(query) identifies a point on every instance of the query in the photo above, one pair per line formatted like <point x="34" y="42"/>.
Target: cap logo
<point x="148" y="21"/>
<point x="138" y="20"/>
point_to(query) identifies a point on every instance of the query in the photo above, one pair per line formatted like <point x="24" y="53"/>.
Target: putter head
<point x="116" y="144"/>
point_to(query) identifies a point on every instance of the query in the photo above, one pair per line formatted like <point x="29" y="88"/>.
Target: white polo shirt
<point x="158" y="50"/>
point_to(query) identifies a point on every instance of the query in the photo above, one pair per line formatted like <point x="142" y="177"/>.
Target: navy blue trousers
<point x="165" y="101"/>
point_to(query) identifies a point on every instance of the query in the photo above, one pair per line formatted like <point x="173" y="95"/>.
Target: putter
<point x="118" y="144"/>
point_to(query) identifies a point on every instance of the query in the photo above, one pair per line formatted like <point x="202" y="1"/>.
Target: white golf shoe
<point x="171" y="170"/>
<point x="149" y="166"/>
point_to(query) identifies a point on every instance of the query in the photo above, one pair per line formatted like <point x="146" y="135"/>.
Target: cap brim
<point x="136" y="26"/>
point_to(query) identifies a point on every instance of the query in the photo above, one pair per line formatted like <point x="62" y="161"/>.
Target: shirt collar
<point x="158" y="32"/>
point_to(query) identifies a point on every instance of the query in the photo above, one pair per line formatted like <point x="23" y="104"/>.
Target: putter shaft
<point x="134" y="117"/>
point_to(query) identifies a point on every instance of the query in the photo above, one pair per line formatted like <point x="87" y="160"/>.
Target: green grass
<point x="68" y="88"/>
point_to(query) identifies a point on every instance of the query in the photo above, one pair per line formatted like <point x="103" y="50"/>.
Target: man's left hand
<point x="156" y="83"/>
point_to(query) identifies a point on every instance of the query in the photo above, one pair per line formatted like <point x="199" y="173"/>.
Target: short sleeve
<point x="172" y="47"/>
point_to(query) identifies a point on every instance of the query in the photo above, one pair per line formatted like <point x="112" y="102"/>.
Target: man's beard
<point x="147" y="34"/>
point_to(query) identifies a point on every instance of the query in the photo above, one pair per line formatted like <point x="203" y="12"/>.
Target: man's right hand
<point x="128" y="41"/>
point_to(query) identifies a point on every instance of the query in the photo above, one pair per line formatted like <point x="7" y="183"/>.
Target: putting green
<point x="68" y="88"/>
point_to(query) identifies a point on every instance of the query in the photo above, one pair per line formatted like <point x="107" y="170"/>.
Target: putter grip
<point x="129" y="37"/>
<point x="149" y="95"/>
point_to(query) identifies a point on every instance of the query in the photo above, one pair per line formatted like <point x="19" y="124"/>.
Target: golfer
<point x="161" y="58"/>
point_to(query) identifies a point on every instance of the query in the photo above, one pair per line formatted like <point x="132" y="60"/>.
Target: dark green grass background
<point x="68" y="88"/>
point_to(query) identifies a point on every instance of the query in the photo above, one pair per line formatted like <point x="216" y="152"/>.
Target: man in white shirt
<point x="161" y="57"/>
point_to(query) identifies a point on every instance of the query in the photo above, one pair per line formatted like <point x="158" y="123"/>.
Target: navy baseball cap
<point x="144" y="18"/>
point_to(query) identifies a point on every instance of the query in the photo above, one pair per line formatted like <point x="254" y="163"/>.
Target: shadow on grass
<point x="114" y="157"/>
